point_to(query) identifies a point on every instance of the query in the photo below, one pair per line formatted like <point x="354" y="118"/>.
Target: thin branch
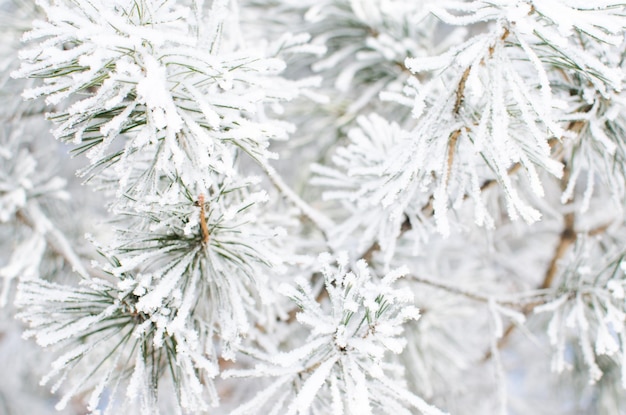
<point x="566" y="239"/>
<point x="322" y="222"/>
<point x="450" y="288"/>
<point x="375" y="247"/>
<point x="33" y="217"/>
<point x="488" y="184"/>
<point x="460" y="90"/>
<point x="203" y="226"/>
<point x="599" y="230"/>
<point x="454" y="137"/>
<point x="523" y="300"/>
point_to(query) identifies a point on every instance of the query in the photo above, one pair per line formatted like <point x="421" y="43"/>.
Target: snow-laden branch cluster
<point x="148" y="87"/>
<point x="116" y="351"/>
<point x="228" y="245"/>
<point x="495" y="104"/>
<point x="343" y="367"/>
<point x="191" y="273"/>
<point x="164" y="105"/>
<point x="591" y="305"/>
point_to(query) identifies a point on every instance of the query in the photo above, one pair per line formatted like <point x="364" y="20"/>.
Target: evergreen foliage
<point x="314" y="207"/>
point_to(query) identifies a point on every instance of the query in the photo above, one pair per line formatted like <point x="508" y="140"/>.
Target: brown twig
<point x="567" y="238"/>
<point x="203" y="226"/>
<point x="406" y="226"/>
<point x="599" y="229"/>
<point x="375" y="247"/>
<point x="487" y="184"/>
<point x="449" y="288"/>
<point x="460" y="90"/>
<point x="454" y="137"/>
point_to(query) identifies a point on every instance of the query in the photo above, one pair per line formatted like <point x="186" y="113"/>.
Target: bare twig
<point x="450" y="288"/>
<point x="322" y="222"/>
<point x="599" y="230"/>
<point x="520" y="301"/>
<point x="567" y="238"/>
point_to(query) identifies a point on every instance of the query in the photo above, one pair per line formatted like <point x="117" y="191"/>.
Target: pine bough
<point x="271" y="169"/>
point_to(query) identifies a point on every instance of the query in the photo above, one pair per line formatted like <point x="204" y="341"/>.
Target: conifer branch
<point x="442" y="118"/>
<point x="567" y="238"/>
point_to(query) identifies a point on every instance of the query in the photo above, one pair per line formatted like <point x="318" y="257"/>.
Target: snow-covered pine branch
<point x="590" y="304"/>
<point x="230" y="142"/>
<point x="343" y="366"/>
<point x="136" y="85"/>
<point x="164" y="123"/>
<point x="115" y="351"/>
<point x="507" y="109"/>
